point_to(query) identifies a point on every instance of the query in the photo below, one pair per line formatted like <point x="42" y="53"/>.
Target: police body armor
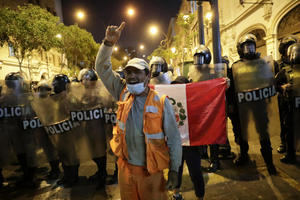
<point x="14" y="139"/>
<point x="93" y="111"/>
<point x="295" y="102"/>
<point x="254" y="87"/>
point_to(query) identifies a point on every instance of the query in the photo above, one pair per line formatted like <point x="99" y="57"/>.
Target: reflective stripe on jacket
<point x="157" y="152"/>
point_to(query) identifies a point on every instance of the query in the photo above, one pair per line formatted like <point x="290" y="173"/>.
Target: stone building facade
<point x="41" y="64"/>
<point x="269" y="20"/>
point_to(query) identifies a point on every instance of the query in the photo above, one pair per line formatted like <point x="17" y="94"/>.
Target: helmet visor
<point x="156" y="69"/>
<point x="199" y="59"/>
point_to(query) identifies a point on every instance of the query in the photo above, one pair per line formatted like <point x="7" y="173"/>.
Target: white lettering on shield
<point x="8" y="112"/>
<point x="32" y="124"/>
<point x="62" y="127"/>
<point x="256" y="95"/>
<point x="98" y="113"/>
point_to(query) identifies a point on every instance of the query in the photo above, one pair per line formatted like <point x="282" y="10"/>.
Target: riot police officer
<point x="159" y="69"/>
<point x="283" y="64"/>
<point x="59" y="84"/>
<point x="290" y="90"/>
<point x="44" y="90"/>
<point x="23" y="145"/>
<point x="192" y="156"/>
<point x="251" y="77"/>
<point x="202" y="57"/>
<point x="94" y="129"/>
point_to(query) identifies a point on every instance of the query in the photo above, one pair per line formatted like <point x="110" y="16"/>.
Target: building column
<point x="272" y="46"/>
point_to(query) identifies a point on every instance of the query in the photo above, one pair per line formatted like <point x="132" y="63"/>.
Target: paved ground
<point x="252" y="182"/>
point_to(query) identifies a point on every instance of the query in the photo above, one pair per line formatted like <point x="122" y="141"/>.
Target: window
<point x="11" y="50"/>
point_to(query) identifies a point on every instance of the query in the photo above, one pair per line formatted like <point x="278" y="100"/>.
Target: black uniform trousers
<point x="192" y="156"/>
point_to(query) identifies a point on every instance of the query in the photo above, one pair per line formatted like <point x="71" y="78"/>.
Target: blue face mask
<point x="137" y="88"/>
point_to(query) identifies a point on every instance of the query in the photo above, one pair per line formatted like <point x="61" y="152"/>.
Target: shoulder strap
<point x="124" y="93"/>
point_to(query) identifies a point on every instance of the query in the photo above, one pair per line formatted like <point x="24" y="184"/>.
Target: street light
<point x="153" y="30"/>
<point x="130" y="12"/>
<point x="80" y="15"/>
<point x="116" y="49"/>
<point x="142" y="47"/>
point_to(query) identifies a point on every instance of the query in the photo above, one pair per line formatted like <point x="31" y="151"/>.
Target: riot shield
<point x="296" y="105"/>
<point x="14" y="108"/>
<point x="65" y="135"/>
<point x="31" y="123"/>
<point x="256" y="97"/>
<point x="163" y="78"/>
<point x="93" y="102"/>
<point x="207" y="72"/>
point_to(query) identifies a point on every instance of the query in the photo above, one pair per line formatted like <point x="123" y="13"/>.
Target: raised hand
<point x="113" y="33"/>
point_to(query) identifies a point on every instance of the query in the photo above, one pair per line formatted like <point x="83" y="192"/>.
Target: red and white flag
<point x="199" y="109"/>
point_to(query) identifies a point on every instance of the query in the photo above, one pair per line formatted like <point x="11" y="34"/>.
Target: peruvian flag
<point x="199" y="109"/>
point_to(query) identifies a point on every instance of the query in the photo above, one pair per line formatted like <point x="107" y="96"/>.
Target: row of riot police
<point x="251" y="101"/>
<point x="287" y="85"/>
<point x="70" y="121"/>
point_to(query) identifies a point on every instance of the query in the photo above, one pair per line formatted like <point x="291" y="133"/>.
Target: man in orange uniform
<point x="146" y="138"/>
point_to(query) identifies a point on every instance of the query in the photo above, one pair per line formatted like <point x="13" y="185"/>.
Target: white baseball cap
<point x="138" y="63"/>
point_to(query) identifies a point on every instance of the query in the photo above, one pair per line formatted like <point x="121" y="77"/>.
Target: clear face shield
<point x="199" y="59"/>
<point x="156" y="69"/>
<point x="44" y="92"/>
<point x="249" y="50"/>
<point x="295" y="57"/>
<point x="15" y="85"/>
<point x="88" y="83"/>
<point x="58" y="87"/>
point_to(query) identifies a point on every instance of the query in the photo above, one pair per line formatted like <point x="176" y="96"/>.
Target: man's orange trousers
<point x="137" y="184"/>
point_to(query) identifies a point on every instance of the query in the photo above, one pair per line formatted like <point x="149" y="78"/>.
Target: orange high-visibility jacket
<point x="157" y="152"/>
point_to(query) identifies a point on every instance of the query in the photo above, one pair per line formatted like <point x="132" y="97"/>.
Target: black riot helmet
<point x="158" y="65"/>
<point x="294" y="53"/>
<point x="202" y="55"/>
<point x="59" y="83"/>
<point x="246" y="46"/>
<point x="88" y="75"/>
<point x="14" y="80"/>
<point x="284" y="45"/>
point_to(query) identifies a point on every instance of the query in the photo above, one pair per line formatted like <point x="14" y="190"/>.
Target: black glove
<point x="172" y="180"/>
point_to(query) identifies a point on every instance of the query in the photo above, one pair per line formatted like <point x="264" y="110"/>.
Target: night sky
<point x="101" y="13"/>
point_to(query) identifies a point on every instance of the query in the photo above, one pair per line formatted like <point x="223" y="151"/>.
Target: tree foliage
<point x="78" y="45"/>
<point x="29" y="28"/>
<point x="183" y="40"/>
<point x="26" y="29"/>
